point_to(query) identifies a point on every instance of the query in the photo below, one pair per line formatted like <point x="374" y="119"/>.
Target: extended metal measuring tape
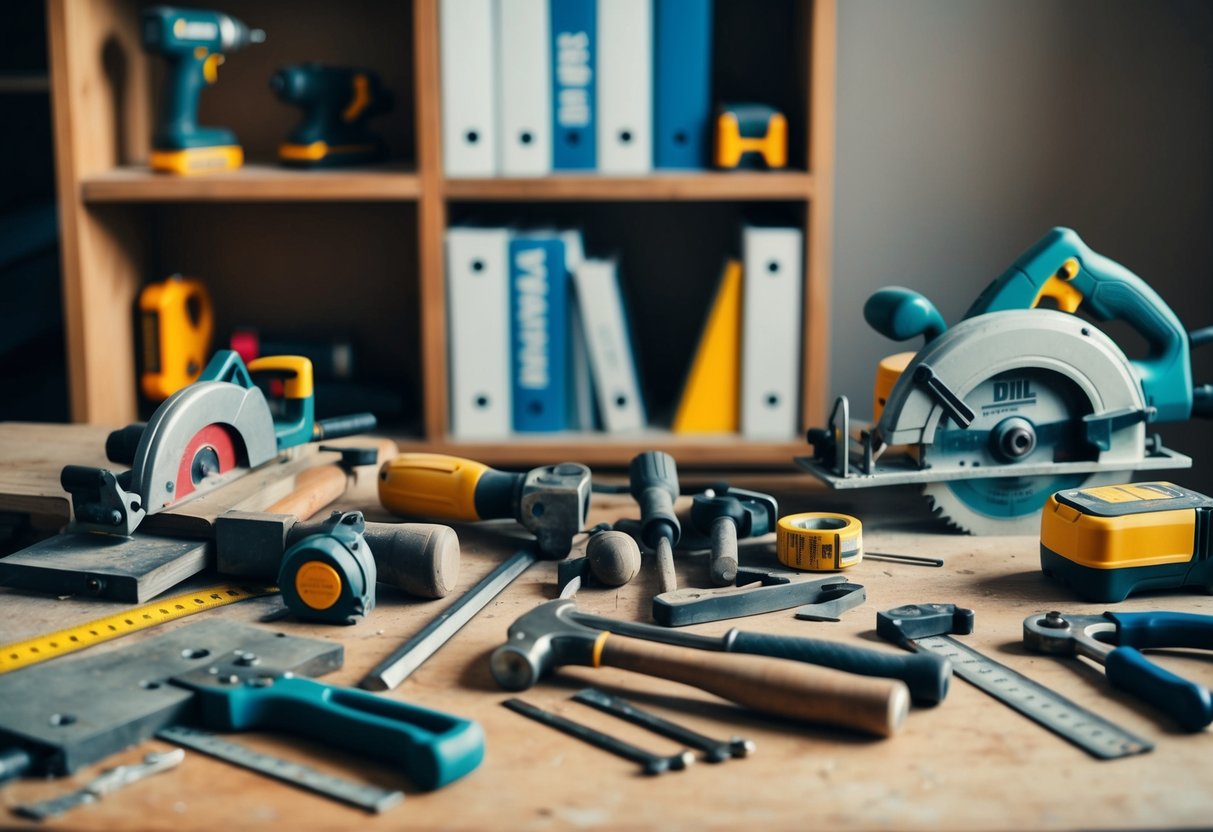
<point x="927" y="628"/>
<point x="821" y="541"/>
<point x="31" y="651"/>
<point x="366" y="796"/>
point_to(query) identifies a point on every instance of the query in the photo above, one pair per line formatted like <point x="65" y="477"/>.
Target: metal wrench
<point x="1114" y="640"/>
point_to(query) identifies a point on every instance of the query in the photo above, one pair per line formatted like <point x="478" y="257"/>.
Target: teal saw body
<point x="1015" y="402"/>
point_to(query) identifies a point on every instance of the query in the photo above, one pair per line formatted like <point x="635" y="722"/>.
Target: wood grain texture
<point x="33" y="455"/>
<point x="788" y="690"/>
<point x="819" y="239"/>
<point x="969" y="763"/>
<point x="122" y="225"/>
<point x="253" y="183"/>
<point x="699" y="187"/>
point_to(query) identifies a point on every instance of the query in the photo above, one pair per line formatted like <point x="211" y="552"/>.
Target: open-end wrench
<point x="1115" y="640"/>
<point x="653" y="763"/>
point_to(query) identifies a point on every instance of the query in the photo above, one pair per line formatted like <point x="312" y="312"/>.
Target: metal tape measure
<point x="1089" y="731"/>
<point x="21" y="654"/>
<point x="819" y="541"/>
<point x="366" y="796"/>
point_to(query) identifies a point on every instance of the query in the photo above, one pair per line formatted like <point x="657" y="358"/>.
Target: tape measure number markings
<point x="1089" y="731"/>
<point x="21" y="654"/>
<point x="366" y="796"/>
<point x="819" y="541"/>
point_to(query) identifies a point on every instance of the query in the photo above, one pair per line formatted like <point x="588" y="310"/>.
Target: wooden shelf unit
<point x="124" y="226"/>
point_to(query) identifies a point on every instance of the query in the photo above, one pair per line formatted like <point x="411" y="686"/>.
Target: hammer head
<point x="540" y="640"/>
<point x="553" y="505"/>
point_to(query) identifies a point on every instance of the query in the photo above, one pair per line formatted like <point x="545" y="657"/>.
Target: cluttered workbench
<point x="968" y="762"/>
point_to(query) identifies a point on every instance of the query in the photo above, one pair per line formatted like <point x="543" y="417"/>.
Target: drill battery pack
<point x="1108" y="542"/>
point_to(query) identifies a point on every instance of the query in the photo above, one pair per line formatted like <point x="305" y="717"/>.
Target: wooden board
<point x="32" y="455"/>
<point x="969" y="763"/>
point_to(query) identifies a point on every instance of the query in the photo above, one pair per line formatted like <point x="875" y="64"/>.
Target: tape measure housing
<point x="819" y="541"/>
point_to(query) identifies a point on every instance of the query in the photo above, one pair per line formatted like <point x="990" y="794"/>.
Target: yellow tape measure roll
<point x="21" y="654"/>
<point x="819" y="541"/>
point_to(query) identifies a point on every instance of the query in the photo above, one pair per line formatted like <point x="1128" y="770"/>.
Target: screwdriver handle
<point x="653" y="483"/>
<point x="420" y="558"/>
<point x="448" y="488"/>
<point x="723" y="566"/>
<point x="926" y="674"/>
<point x="787" y="689"/>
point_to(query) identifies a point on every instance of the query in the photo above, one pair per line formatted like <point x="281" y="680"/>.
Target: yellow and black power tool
<point x="194" y="42"/>
<point x="1110" y="541"/>
<point x="176" y="322"/>
<point x="336" y="103"/>
<point x="550" y="502"/>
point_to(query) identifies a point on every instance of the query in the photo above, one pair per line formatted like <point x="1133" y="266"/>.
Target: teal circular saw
<point x="1018" y="401"/>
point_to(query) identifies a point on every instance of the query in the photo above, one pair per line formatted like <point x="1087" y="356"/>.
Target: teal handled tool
<point x="1116" y="640"/>
<point x="193" y="41"/>
<point x="337" y="101"/>
<point x="203" y="436"/>
<point x="1064" y="268"/>
<point x="223" y="676"/>
<point x="1018" y="401"/>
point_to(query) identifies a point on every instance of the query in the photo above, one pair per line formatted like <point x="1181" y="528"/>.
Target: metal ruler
<point x="1090" y="732"/>
<point x="21" y="654"/>
<point x="366" y="796"/>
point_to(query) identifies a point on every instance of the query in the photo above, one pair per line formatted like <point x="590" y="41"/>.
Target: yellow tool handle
<point x="784" y="688"/>
<point x="438" y="486"/>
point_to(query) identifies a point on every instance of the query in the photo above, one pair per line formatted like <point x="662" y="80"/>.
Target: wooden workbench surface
<point x="969" y="763"/>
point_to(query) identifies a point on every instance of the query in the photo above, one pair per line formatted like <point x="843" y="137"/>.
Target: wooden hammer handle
<point x="774" y="686"/>
<point x="317" y="487"/>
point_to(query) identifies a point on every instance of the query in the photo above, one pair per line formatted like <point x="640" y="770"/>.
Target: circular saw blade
<point x="1051" y="407"/>
<point x="211" y="452"/>
<point x="1003" y="505"/>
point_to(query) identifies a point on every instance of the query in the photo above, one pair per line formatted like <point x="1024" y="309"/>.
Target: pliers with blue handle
<point x="1115" y="640"/>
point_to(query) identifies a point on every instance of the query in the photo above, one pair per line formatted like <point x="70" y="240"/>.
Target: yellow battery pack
<point x="1108" y="542"/>
<point x="176" y="322"/>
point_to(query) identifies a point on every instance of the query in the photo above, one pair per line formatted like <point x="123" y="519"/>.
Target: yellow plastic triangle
<point x="711" y="397"/>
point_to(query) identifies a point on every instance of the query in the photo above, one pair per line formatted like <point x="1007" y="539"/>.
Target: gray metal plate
<point x="72" y="712"/>
<point x="903" y="471"/>
<point x="133" y="569"/>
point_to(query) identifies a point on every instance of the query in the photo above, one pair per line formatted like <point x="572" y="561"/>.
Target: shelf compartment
<point x="658" y="186"/>
<point x="255" y="183"/>
<point x="608" y="451"/>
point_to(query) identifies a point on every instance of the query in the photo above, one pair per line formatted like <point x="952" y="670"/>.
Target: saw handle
<point x="349" y="425"/>
<point x="448" y="488"/>
<point x="432" y="748"/>
<point x="786" y="689"/>
<point x="926" y="674"/>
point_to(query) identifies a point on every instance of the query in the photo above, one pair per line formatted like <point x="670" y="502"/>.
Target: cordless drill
<point x="336" y="103"/>
<point x="193" y="41"/>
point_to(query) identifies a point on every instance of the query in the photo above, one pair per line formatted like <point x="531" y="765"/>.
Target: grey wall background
<point x="968" y="128"/>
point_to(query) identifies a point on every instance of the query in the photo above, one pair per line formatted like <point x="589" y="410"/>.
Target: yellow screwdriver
<point x="551" y="502"/>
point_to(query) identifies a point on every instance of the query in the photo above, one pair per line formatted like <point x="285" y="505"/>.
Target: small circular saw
<point x="203" y="436"/>
<point x="1017" y="401"/>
